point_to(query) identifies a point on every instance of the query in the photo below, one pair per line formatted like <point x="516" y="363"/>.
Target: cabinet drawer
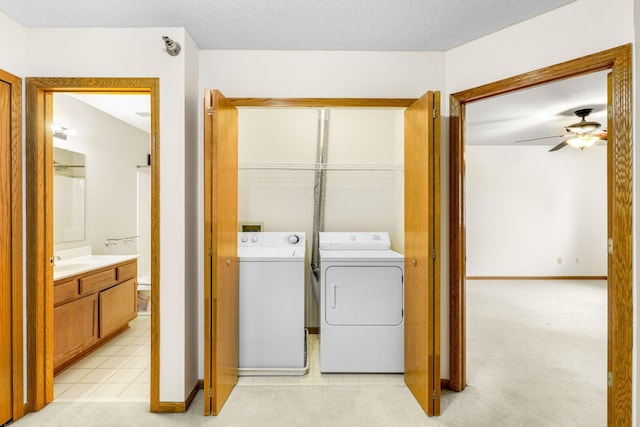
<point x="97" y="281"/>
<point x="65" y="291"/>
<point x="126" y="271"/>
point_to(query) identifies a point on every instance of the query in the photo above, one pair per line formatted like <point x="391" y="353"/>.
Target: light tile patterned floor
<point x="314" y="377"/>
<point x="119" y="371"/>
<point x="116" y="372"/>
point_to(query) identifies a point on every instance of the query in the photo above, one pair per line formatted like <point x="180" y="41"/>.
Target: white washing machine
<point x="361" y="303"/>
<point x="272" y="336"/>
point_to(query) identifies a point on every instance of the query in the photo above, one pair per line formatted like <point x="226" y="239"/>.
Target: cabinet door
<point x="117" y="307"/>
<point x="75" y="328"/>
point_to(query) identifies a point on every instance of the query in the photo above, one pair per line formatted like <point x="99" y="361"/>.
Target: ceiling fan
<point x="580" y="135"/>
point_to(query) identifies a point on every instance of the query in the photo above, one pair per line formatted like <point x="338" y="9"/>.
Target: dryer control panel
<point x="355" y="241"/>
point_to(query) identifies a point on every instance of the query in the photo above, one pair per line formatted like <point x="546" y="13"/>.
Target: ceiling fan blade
<point x="559" y="146"/>
<point x="544" y="137"/>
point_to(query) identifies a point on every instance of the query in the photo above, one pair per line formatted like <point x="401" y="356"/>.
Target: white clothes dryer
<point x="361" y="303"/>
<point x="272" y="336"/>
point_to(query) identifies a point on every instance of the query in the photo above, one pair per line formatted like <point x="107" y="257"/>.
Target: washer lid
<point x="355" y="241"/>
<point x="271" y="254"/>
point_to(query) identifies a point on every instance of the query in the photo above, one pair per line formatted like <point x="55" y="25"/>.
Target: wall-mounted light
<point x="173" y="48"/>
<point x="61" y="132"/>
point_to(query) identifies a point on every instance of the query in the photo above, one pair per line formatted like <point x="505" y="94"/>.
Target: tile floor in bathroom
<point x="116" y="372"/>
<point x="119" y="371"/>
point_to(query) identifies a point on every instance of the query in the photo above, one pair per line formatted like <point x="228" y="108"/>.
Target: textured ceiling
<point x="539" y="111"/>
<point x="374" y="25"/>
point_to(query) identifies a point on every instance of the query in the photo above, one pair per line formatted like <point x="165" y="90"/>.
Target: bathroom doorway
<point x="101" y="198"/>
<point x="40" y="224"/>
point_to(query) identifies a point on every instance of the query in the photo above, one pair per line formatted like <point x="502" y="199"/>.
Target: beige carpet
<point x="536" y="357"/>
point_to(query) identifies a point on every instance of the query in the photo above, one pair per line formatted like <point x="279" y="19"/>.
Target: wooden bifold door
<point x="422" y="240"/>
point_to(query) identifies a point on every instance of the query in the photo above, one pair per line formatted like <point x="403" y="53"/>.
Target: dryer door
<point x="364" y="296"/>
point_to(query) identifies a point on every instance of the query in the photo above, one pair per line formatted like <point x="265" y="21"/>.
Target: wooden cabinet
<point x="91" y="308"/>
<point x="117" y="307"/>
<point x="75" y="326"/>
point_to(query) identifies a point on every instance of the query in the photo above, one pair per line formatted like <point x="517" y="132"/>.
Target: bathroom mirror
<point x="68" y="195"/>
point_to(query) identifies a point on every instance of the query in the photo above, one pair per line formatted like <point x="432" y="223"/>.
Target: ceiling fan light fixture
<point x="583" y="126"/>
<point x="583" y="141"/>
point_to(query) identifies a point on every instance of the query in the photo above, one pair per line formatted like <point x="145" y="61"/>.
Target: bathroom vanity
<point x="93" y="300"/>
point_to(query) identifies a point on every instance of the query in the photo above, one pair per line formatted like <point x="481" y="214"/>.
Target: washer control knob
<point x="254" y="238"/>
<point x="376" y="237"/>
<point x="244" y="239"/>
<point x="293" y="239"/>
<point x="352" y="238"/>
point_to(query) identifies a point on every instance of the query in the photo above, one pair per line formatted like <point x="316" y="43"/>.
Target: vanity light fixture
<point x="61" y="132"/>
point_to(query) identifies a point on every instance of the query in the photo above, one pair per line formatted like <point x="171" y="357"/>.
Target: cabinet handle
<point x="228" y="262"/>
<point x="414" y="262"/>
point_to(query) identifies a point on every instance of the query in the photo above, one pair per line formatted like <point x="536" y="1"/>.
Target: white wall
<point x="526" y="207"/>
<point x="356" y="200"/>
<point x="13" y="56"/>
<point x="193" y="109"/>
<point x="539" y="42"/>
<point x="137" y="52"/>
<point x="144" y="221"/>
<point x="112" y="150"/>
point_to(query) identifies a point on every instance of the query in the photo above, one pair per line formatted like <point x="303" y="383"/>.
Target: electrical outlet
<point x="559" y="260"/>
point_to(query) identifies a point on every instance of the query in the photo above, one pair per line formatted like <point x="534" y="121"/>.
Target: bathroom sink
<point x="70" y="267"/>
<point x="73" y="266"/>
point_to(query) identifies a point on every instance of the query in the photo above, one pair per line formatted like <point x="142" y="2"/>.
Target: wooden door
<point x="422" y="245"/>
<point x="221" y="247"/>
<point x="6" y="377"/>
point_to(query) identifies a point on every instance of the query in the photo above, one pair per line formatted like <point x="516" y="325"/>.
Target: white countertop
<point x="72" y="266"/>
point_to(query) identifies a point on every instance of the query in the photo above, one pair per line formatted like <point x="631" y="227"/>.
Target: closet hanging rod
<point x="318" y="166"/>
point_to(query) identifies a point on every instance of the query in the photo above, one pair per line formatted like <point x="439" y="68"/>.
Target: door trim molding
<point x="322" y="102"/>
<point x="39" y="238"/>
<point x="619" y="177"/>
<point x="15" y="200"/>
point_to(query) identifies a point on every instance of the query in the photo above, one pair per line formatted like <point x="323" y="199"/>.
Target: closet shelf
<point x="320" y="166"/>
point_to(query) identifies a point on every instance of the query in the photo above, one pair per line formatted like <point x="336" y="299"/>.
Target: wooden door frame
<point x="620" y="188"/>
<point x="357" y="103"/>
<point x="39" y="238"/>
<point x="15" y="177"/>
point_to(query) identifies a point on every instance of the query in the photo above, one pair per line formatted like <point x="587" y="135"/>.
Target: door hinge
<point x="610" y="379"/>
<point x="210" y="391"/>
<point x="610" y="246"/>
<point x="210" y="111"/>
<point x="435" y="395"/>
<point x="435" y="113"/>
<point x="210" y="251"/>
<point x="434" y="254"/>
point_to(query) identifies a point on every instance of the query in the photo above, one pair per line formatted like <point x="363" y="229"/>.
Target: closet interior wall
<point x="364" y="179"/>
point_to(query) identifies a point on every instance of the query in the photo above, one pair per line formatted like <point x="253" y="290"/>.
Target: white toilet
<point x="144" y="294"/>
